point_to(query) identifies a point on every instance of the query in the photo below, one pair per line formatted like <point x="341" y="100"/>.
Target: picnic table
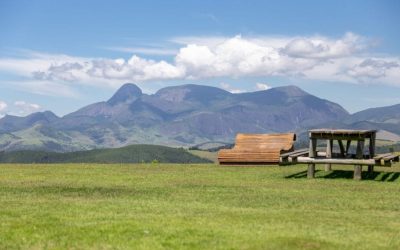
<point x="342" y="136"/>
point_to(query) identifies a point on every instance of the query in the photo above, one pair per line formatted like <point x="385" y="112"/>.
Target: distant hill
<point x="384" y="119"/>
<point x="128" y="154"/>
<point x="388" y="114"/>
<point x="183" y="115"/>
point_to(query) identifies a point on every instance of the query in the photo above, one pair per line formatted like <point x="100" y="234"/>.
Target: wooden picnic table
<point x="342" y="136"/>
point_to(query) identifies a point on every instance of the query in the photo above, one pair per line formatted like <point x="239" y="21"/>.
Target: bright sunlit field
<point x="170" y="206"/>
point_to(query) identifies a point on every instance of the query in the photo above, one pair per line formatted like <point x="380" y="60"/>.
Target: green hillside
<point x="128" y="154"/>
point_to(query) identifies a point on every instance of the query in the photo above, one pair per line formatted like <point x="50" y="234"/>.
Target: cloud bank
<point x="344" y="59"/>
<point x="18" y="108"/>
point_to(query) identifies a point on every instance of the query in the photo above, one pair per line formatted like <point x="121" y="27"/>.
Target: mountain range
<point x="186" y="115"/>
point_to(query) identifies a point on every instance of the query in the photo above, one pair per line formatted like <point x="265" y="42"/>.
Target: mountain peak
<point x="191" y="92"/>
<point x="291" y="90"/>
<point x="46" y="114"/>
<point x="127" y="93"/>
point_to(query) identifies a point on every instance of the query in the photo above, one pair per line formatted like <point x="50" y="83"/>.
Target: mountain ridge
<point x="182" y="115"/>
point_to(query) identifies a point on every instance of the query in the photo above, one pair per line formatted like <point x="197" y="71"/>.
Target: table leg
<point x="311" y="171"/>
<point x="312" y="153"/>
<point x="371" y="152"/>
<point x="341" y="147"/>
<point x="328" y="167"/>
<point x="313" y="148"/>
<point x="348" y="143"/>
<point x="359" y="155"/>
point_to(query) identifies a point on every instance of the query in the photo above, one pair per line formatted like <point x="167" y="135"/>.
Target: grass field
<point x="169" y="206"/>
<point x="212" y="156"/>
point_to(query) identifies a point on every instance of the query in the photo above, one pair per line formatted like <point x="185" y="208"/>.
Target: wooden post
<point x="357" y="172"/>
<point x="359" y="155"/>
<point x="311" y="171"/>
<point x="348" y="146"/>
<point x="328" y="167"/>
<point x="341" y="146"/>
<point x="313" y="148"/>
<point x="312" y="153"/>
<point x="371" y="152"/>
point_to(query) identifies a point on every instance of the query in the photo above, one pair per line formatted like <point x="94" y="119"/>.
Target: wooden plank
<point x="288" y="157"/>
<point x="338" y="137"/>
<point x="294" y="152"/>
<point x="341" y="131"/>
<point x="348" y="156"/>
<point x="299" y="154"/>
<point x="336" y="161"/>
<point x="293" y="159"/>
<point x="380" y="156"/>
<point x="390" y="157"/>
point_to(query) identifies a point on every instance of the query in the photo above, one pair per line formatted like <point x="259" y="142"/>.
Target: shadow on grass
<point x="348" y="174"/>
<point x="302" y="174"/>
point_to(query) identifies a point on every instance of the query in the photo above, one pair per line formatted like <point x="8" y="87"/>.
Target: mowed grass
<point x="169" y="206"/>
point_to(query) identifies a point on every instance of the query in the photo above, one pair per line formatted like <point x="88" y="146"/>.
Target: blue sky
<point x="62" y="55"/>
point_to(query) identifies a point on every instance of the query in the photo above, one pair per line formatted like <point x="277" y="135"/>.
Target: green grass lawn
<point x="169" y="206"/>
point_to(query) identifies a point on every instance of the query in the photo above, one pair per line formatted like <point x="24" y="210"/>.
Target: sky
<point x="63" y="55"/>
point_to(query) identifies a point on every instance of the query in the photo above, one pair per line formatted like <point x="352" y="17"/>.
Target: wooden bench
<point x="386" y="159"/>
<point x="257" y="149"/>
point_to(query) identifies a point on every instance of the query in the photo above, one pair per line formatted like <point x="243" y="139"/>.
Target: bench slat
<point x="380" y="156"/>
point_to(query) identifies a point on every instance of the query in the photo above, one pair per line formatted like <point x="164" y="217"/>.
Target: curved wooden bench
<point x="257" y="149"/>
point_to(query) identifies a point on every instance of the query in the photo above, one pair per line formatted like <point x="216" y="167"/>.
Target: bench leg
<point x="357" y="172"/>
<point x="311" y="171"/>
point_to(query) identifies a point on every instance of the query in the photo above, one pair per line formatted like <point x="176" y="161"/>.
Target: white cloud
<point x="18" y="108"/>
<point x="324" y="48"/>
<point x="262" y="86"/>
<point x="240" y="57"/>
<point x="229" y="88"/>
<point x="134" y="69"/>
<point x="342" y="59"/>
<point x="160" y="51"/>
<point x="373" y="68"/>
<point x="3" y="106"/>
<point x="24" y="108"/>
